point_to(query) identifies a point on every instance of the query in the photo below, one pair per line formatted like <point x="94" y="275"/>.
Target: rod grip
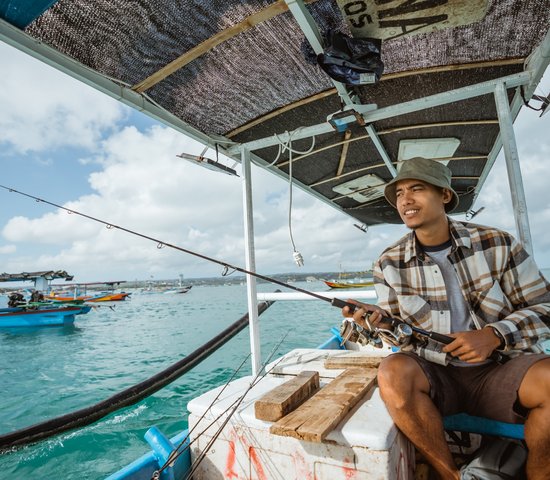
<point x="336" y="302"/>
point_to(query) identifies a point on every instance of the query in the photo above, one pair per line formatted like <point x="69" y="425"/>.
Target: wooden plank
<point x="279" y="111"/>
<point x="280" y="401"/>
<point x="314" y="419"/>
<point x="335" y="362"/>
<point x="343" y="153"/>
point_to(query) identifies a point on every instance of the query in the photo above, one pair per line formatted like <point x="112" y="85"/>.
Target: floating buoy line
<point x="129" y="396"/>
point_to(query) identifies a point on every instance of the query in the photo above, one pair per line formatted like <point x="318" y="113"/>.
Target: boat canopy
<point x="239" y="74"/>
<point x="33" y="276"/>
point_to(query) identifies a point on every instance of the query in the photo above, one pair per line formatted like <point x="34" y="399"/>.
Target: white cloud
<point x="8" y="249"/>
<point x="43" y="108"/>
<point x="144" y="187"/>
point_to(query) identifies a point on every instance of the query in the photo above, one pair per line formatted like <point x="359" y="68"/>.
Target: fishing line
<point x="177" y="452"/>
<point x="160" y="244"/>
<point x="234" y="407"/>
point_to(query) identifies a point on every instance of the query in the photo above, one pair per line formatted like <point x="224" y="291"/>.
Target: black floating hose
<point x="131" y="395"/>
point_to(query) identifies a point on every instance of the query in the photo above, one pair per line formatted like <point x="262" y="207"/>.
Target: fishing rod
<point x="402" y="328"/>
<point x="160" y="244"/>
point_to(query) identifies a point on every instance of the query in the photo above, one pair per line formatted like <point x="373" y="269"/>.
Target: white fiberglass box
<point x="365" y="445"/>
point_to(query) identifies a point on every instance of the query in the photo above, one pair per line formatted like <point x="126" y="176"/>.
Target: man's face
<point x="420" y="204"/>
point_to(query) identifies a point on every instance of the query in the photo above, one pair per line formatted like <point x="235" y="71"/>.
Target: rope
<point x="128" y="396"/>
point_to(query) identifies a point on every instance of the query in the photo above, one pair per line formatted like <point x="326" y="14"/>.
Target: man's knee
<point x="401" y="376"/>
<point x="534" y="390"/>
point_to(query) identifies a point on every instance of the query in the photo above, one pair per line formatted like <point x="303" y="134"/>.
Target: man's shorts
<point x="489" y="390"/>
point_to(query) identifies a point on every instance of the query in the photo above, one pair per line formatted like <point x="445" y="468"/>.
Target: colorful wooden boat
<point x="108" y="297"/>
<point x="349" y="284"/>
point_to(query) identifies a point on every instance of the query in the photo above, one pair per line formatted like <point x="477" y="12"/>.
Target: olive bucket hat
<point x="427" y="170"/>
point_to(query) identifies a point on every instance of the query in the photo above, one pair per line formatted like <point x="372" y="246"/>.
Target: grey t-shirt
<point x="460" y="314"/>
<point x="461" y="320"/>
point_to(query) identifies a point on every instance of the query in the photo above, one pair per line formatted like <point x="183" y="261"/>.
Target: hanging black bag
<point x="351" y="61"/>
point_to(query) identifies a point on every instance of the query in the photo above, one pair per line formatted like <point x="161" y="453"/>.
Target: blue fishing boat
<point x="35" y="311"/>
<point x="332" y="96"/>
<point x="41" y="316"/>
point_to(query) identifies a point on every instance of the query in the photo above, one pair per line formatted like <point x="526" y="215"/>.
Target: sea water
<point x="50" y="371"/>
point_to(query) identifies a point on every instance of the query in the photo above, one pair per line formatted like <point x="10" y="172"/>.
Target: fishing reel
<point x="399" y="335"/>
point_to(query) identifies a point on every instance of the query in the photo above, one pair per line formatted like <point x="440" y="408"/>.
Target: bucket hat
<point x="427" y="170"/>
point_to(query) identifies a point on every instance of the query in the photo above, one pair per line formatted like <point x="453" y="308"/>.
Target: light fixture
<point x="205" y="162"/>
<point x="427" y="148"/>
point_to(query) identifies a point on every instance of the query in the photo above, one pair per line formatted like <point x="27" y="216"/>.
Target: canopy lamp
<point x="205" y="162"/>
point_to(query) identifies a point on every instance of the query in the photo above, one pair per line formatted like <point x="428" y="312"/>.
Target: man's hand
<point x="376" y="314"/>
<point x="474" y="346"/>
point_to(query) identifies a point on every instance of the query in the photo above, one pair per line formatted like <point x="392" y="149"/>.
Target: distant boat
<point x="46" y="315"/>
<point x="369" y="283"/>
<point x="78" y="292"/>
<point x="352" y="280"/>
<point x="178" y="289"/>
<point x="102" y="297"/>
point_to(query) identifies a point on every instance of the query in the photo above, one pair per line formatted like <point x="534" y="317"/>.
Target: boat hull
<point x="114" y="297"/>
<point x="349" y="284"/>
<point x="10" y="317"/>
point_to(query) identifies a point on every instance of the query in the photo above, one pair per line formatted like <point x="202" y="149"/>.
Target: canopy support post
<point x="381" y="150"/>
<point x="512" y="166"/>
<point x="251" y="292"/>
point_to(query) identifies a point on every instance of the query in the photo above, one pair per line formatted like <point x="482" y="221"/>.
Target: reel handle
<point x="438" y="337"/>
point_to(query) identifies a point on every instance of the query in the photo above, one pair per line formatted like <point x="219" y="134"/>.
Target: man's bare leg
<point x="405" y="391"/>
<point x="534" y="394"/>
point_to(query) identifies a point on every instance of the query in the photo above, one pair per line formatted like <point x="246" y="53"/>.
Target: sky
<point x="62" y="141"/>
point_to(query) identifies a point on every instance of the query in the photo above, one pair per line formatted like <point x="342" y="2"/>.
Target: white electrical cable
<point x="286" y="145"/>
<point x="283" y="147"/>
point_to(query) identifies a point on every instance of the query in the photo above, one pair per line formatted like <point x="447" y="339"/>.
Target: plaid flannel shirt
<point x="500" y="282"/>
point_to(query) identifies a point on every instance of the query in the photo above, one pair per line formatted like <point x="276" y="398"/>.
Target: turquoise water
<point x="50" y="371"/>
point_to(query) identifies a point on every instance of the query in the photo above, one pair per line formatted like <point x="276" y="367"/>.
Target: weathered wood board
<point x="280" y="401"/>
<point x="336" y="362"/>
<point x="315" y="418"/>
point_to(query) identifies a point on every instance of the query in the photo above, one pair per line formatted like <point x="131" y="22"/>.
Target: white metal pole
<point x="512" y="165"/>
<point x="251" y="293"/>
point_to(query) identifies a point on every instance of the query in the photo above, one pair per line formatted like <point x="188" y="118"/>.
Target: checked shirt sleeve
<point x="529" y="295"/>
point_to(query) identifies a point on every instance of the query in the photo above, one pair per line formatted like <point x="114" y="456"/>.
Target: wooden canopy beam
<point x="249" y="22"/>
<point x="378" y="165"/>
<point x="343" y="153"/>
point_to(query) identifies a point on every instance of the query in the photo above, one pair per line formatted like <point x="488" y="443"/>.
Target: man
<point x="478" y="285"/>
